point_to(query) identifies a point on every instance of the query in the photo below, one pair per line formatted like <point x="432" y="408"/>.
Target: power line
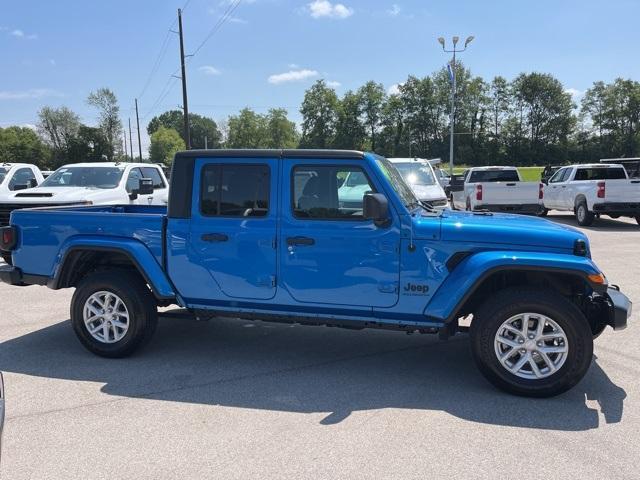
<point x="225" y="16"/>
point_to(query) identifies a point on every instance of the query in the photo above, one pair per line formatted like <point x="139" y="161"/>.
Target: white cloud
<point x="292" y="76"/>
<point x="52" y="62"/>
<point x="394" y="89"/>
<point x="394" y="11"/>
<point x="574" y="92"/>
<point x="326" y="9"/>
<point x="293" y="66"/>
<point x="20" y="34"/>
<point x="209" y="70"/>
<point x="29" y="94"/>
<point x="333" y="84"/>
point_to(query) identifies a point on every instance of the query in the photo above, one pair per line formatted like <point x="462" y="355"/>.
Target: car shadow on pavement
<point x="603" y="224"/>
<point x="294" y="368"/>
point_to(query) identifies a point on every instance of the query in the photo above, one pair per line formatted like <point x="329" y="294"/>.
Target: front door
<point x="329" y="253"/>
<point x="233" y="227"/>
<point x="552" y="191"/>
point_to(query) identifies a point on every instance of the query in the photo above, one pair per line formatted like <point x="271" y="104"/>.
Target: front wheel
<point x="543" y="212"/>
<point x="531" y="342"/>
<point x="113" y="313"/>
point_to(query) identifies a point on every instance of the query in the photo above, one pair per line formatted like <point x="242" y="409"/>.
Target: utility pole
<point x="205" y="142"/>
<point x="452" y="118"/>
<point x="124" y="135"/>
<point x="185" y="107"/>
<point x="130" y="140"/>
<point x="138" y="123"/>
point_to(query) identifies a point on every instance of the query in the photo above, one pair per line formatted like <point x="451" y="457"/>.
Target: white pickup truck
<point x="593" y="189"/>
<point x="18" y="176"/>
<point x="104" y="183"/>
<point x="497" y="189"/>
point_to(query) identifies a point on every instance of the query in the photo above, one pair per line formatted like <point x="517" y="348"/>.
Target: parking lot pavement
<point x="235" y="399"/>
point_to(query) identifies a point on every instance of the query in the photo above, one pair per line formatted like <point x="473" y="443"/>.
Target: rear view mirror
<point x="376" y="208"/>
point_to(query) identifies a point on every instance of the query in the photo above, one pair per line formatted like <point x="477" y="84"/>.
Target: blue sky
<point x="269" y="51"/>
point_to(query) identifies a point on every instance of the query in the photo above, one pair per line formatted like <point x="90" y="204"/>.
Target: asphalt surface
<point x="232" y="399"/>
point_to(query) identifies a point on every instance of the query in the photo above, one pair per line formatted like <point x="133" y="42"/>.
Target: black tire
<point x="453" y="206"/>
<point x="583" y="216"/>
<point x="638" y="219"/>
<point x="468" y="204"/>
<point x="543" y="212"/>
<point x="139" y="302"/>
<point x="508" y="303"/>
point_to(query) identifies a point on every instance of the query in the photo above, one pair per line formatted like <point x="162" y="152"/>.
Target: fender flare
<point x="473" y="270"/>
<point x="134" y="250"/>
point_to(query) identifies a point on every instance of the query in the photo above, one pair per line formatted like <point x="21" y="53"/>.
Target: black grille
<point x="7" y="208"/>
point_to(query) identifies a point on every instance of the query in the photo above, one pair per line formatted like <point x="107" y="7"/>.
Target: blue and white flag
<point x="452" y="74"/>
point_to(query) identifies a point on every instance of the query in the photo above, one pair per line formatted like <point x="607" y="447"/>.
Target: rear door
<point x="329" y="253"/>
<point x="233" y="228"/>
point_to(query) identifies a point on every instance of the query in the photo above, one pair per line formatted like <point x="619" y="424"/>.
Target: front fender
<point x="135" y="250"/>
<point x="470" y="273"/>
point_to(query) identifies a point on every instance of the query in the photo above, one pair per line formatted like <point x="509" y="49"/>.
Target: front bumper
<point x="620" y="309"/>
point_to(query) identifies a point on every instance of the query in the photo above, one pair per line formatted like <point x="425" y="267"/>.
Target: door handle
<point x="215" y="237"/>
<point x="564" y="186"/>
<point x="300" y="241"/>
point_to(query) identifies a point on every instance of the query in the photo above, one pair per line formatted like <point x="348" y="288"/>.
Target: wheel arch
<point x="79" y="260"/>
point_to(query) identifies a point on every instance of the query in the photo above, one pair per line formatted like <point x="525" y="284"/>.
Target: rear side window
<point x="494" y="176"/>
<point x="235" y="190"/>
<point x="329" y="192"/>
<point x="153" y="174"/>
<point x="600" y="174"/>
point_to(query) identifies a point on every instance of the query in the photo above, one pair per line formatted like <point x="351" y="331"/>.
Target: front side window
<point x="23" y="176"/>
<point x="153" y="174"/>
<point x="90" y="177"/>
<point x="133" y="180"/>
<point x="329" y="192"/>
<point x="557" y="177"/>
<point x="229" y="190"/>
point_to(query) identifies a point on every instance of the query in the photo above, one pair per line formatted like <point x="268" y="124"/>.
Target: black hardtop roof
<point x="280" y="153"/>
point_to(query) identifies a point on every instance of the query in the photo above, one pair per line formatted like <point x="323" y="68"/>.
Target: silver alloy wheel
<point x="582" y="212"/>
<point x="531" y="346"/>
<point x="106" y="317"/>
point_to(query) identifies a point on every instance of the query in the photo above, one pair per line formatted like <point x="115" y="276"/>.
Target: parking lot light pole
<point x="453" y="88"/>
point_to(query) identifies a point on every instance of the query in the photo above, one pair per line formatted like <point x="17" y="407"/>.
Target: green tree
<point x="105" y="101"/>
<point x="393" y="138"/>
<point x="319" y="116"/>
<point x="199" y="128"/>
<point x="372" y="97"/>
<point x="165" y="142"/>
<point x="22" y="145"/>
<point x="58" y="127"/>
<point x="90" y="145"/>
<point x="281" y="132"/>
<point x="350" y="130"/>
<point x="247" y="130"/>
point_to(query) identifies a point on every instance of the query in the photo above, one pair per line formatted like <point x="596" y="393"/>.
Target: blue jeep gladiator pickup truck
<point x="272" y="235"/>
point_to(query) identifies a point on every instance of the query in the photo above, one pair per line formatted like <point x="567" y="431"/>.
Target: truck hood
<point x="517" y="230"/>
<point x="56" y="195"/>
<point x="429" y="192"/>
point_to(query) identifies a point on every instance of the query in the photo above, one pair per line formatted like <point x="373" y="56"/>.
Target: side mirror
<point x="545" y="181"/>
<point x="33" y="183"/>
<point x="145" y="186"/>
<point x="376" y="208"/>
<point x="456" y="184"/>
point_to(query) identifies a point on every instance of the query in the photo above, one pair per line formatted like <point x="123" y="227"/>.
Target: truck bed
<point x="44" y="232"/>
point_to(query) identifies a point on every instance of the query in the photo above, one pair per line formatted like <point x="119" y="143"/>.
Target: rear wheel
<point x="638" y="219"/>
<point x="531" y="342"/>
<point x="583" y="216"/>
<point x="6" y="256"/>
<point x="113" y="313"/>
<point x="542" y="212"/>
<point x="468" y="204"/>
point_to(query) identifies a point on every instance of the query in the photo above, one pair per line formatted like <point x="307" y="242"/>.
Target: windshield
<point x="415" y="174"/>
<point x="89" y="177"/>
<point x="494" y="176"/>
<point x="397" y="182"/>
<point x="3" y="174"/>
